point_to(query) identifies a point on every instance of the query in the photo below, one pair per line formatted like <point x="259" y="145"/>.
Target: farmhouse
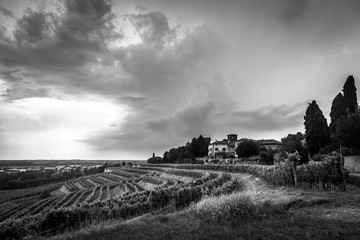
<point x="226" y="148"/>
<point x="270" y="144"/>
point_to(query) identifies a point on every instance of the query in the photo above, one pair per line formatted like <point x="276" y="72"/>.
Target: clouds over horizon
<point x="168" y="71"/>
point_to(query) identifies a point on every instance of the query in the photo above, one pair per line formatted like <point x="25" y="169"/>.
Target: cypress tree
<point x="338" y="111"/>
<point x="350" y="97"/>
<point x="348" y="131"/>
<point x="316" y="129"/>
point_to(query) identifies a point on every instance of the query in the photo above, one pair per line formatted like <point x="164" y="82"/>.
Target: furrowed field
<point x="116" y="195"/>
<point x="209" y="193"/>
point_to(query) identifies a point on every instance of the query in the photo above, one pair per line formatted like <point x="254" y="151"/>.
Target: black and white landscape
<point x="189" y="119"/>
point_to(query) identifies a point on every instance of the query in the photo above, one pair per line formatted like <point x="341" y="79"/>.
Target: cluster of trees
<point x="248" y="148"/>
<point x="185" y="154"/>
<point x="10" y="181"/>
<point x="344" y="128"/>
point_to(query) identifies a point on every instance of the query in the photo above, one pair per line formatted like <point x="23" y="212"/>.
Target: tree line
<point x="344" y="128"/>
<point x="10" y="181"/>
<point x="197" y="148"/>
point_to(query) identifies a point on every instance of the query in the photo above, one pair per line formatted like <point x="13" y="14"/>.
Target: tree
<point x="316" y="129"/>
<point x="173" y="155"/>
<point x="348" y="131"/>
<point x="338" y="111"/>
<point x="350" y="97"/>
<point x="45" y="194"/>
<point x="194" y="148"/>
<point x="203" y="146"/>
<point x="267" y="155"/>
<point x="295" y="142"/>
<point x="165" y="157"/>
<point x="247" y="148"/>
<point x="199" y="147"/>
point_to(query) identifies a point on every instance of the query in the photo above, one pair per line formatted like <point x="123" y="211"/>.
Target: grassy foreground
<point x="274" y="214"/>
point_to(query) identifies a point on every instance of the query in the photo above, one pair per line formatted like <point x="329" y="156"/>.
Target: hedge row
<point x="326" y="173"/>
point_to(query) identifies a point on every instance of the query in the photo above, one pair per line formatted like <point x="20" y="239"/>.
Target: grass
<point x="273" y="214"/>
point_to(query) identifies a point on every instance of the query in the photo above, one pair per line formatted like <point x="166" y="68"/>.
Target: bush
<point x="44" y="194"/>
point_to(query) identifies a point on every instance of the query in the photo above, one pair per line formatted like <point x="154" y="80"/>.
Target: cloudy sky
<point x="123" y="79"/>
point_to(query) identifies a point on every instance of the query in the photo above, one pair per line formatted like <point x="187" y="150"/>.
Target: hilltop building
<point x="270" y="144"/>
<point x="226" y="148"/>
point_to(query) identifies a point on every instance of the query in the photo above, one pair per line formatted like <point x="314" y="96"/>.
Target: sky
<point x="125" y="79"/>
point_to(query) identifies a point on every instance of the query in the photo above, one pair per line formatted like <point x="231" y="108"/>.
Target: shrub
<point x="44" y="194"/>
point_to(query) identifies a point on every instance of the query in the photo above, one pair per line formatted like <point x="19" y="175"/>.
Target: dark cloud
<point x="187" y="122"/>
<point x="6" y="12"/>
<point x="129" y="138"/>
<point x="10" y="75"/>
<point x="88" y="22"/>
<point x="132" y="100"/>
<point x="20" y="93"/>
<point x="159" y="125"/>
<point x="270" y="118"/>
<point x="152" y="27"/>
<point x="294" y="11"/>
<point x="33" y="27"/>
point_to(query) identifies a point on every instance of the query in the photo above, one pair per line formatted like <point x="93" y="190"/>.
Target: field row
<point x="129" y="198"/>
<point x="95" y="188"/>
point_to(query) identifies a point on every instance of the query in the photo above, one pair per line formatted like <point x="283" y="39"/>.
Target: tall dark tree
<point x="338" y="111"/>
<point x="203" y="146"/>
<point x="316" y="129"/>
<point x="350" y="97"/>
<point x="194" y="148"/>
<point x="173" y="155"/>
<point x="199" y="147"/>
<point x="348" y="131"/>
<point x="165" y="158"/>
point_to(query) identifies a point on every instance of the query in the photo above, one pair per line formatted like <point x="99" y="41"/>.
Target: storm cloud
<point x="129" y="78"/>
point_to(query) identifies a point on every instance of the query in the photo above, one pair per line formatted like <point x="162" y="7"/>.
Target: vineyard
<point x="120" y="194"/>
<point x="129" y="192"/>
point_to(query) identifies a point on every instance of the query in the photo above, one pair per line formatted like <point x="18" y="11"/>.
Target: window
<point x="224" y="149"/>
<point x="216" y="149"/>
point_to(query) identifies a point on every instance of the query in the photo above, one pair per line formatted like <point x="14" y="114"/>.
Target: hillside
<point x="182" y="202"/>
<point x="268" y="212"/>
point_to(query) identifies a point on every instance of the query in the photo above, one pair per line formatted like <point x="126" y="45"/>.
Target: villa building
<point x="226" y="148"/>
<point x="270" y="144"/>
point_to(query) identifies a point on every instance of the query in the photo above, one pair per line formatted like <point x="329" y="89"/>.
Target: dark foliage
<point x="348" y="131"/>
<point x="295" y="142"/>
<point x="185" y="154"/>
<point x="338" y="111"/>
<point x="247" y="148"/>
<point x="316" y="129"/>
<point x="350" y="97"/>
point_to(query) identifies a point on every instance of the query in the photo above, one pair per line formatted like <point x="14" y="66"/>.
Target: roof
<point x="269" y="142"/>
<point x="220" y="143"/>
